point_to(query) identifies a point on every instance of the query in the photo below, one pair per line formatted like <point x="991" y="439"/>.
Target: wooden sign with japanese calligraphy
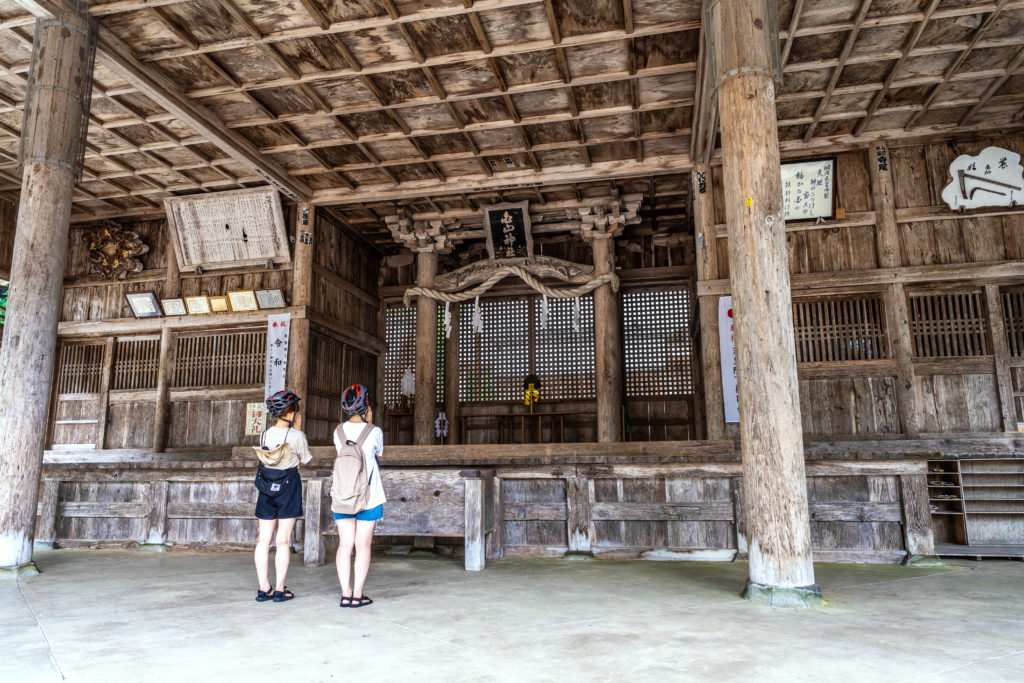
<point x="992" y="178"/>
<point x="808" y="190"/>
<point x="278" y="327"/>
<point x="228" y="229"/>
<point x="507" y="227"/>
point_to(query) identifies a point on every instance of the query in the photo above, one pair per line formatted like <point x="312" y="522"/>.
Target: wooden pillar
<point x="707" y="269"/>
<point x="302" y="285"/>
<point x="103" y="400"/>
<point x="426" y="352"/>
<point x="156" y="520"/>
<point x="607" y="345"/>
<point x="451" y="378"/>
<point x="53" y="141"/>
<point x="164" y="379"/>
<point x="774" y="485"/>
<point x="918" y="535"/>
<point x="1001" y="355"/>
<point x="901" y="350"/>
<point x="475" y="503"/>
<point x="313" y="549"/>
<point x="887" y="236"/>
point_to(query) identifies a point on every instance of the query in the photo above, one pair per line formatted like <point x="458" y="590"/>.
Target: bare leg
<point x="284" y="551"/>
<point x="262" y="556"/>
<point x="364" y="538"/>
<point x="343" y="560"/>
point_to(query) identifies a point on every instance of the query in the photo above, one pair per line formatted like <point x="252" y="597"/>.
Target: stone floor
<point x="122" y="616"/>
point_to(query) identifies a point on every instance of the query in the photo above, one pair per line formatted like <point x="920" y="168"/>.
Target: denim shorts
<point x="371" y="515"/>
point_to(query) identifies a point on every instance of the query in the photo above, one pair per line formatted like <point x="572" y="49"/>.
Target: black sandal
<point x="346" y="604"/>
<point x="263" y="596"/>
<point x="361" y="602"/>
<point x="282" y="596"/>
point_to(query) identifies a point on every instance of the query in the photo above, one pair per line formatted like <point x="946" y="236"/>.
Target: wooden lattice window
<point x="80" y="368"/>
<point x="136" y="362"/>
<point x="564" y="358"/>
<point x="220" y="359"/>
<point x="1013" y="311"/>
<point x="659" y="354"/>
<point x="838" y="329"/>
<point x="400" y="337"/>
<point x="944" y="325"/>
<point x="492" y="365"/>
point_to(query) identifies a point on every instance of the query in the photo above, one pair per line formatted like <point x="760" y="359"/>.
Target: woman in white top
<point x="356" y="531"/>
<point x="279" y="502"/>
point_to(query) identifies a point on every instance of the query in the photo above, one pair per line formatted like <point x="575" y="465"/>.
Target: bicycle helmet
<point x="281" y="402"/>
<point x="356" y="400"/>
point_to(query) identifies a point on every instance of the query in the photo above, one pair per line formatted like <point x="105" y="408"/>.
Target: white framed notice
<point x="808" y="189"/>
<point x="727" y="353"/>
<point x="992" y="178"/>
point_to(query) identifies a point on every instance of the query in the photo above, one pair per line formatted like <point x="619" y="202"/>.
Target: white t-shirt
<point x="275" y="436"/>
<point x="373" y="447"/>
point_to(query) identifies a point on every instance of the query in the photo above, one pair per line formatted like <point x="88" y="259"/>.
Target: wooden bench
<point x="421" y="502"/>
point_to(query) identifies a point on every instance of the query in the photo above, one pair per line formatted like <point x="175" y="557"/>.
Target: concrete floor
<point x="122" y="616"/>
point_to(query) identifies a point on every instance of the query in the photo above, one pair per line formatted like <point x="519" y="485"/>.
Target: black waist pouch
<point x="271" y="482"/>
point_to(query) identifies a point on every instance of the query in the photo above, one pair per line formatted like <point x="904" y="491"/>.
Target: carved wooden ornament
<point x="114" y="251"/>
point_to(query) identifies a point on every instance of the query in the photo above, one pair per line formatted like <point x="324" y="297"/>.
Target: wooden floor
<point x="978" y="552"/>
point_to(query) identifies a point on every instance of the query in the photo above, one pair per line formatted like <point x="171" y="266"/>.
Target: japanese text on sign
<point x="807" y="189"/>
<point x="727" y="351"/>
<point x="278" y="327"/>
<point x="508" y="231"/>
<point x="992" y="178"/>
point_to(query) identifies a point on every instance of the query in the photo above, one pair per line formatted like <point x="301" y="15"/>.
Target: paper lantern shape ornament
<point x="114" y="251"/>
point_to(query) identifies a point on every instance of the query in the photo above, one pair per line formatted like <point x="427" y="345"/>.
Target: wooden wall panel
<point x="958" y="403"/>
<point x="199" y="532"/>
<point x="844" y="407"/>
<point x="545" y="533"/>
<point x="67" y="430"/>
<point x="73" y="524"/>
<point x="130" y="425"/>
<point x="198" y="424"/>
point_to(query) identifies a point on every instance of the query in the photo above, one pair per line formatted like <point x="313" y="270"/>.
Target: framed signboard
<point x="228" y="229"/>
<point x="507" y="228"/>
<point x="143" y="304"/>
<point x="243" y="300"/>
<point x="808" y="189"/>
<point x="174" y="306"/>
<point x="270" y="298"/>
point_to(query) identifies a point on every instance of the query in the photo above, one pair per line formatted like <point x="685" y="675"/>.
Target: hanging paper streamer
<point x="408" y="384"/>
<point x="447" y="319"/>
<point x="441" y="425"/>
<point x="544" y="312"/>
<point x="576" y="314"/>
<point x="478" y="320"/>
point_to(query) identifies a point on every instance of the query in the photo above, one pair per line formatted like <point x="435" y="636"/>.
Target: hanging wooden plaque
<point x="507" y="228"/>
<point x="242" y="228"/>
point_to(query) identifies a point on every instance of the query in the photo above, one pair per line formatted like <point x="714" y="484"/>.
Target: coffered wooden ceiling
<point x="442" y="104"/>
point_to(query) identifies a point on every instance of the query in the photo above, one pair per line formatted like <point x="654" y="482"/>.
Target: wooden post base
<point x="19" y="571"/>
<point x="152" y="548"/>
<point x="778" y="596"/>
<point x="924" y="561"/>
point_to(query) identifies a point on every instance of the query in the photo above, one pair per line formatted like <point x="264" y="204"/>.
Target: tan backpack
<point x="350" y="484"/>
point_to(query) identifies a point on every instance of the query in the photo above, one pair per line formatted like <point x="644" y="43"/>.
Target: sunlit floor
<point x="132" y="616"/>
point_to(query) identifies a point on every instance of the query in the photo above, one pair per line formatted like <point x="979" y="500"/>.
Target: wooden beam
<point x="1011" y="68"/>
<point x="953" y="68"/>
<point x="887" y="236"/>
<point x="907" y="49"/>
<point x="794" y="22"/>
<point x="426" y="352"/>
<point x="1001" y="355"/>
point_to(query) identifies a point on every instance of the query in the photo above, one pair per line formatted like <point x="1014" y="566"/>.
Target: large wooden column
<point x="883" y="195"/>
<point x="607" y="345"/>
<point x="707" y="269"/>
<point x="52" y="145"/>
<point x="426" y="352"/>
<point x="775" y="488"/>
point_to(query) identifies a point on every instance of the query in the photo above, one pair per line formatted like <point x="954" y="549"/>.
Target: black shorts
<point x="285" y="505"/>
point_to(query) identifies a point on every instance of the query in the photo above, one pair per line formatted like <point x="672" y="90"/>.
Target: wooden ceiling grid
<point x="434" y="105"/>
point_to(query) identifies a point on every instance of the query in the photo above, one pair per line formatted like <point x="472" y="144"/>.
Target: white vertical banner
<point x="727" y="353"/>
<point x="277" y="352"/>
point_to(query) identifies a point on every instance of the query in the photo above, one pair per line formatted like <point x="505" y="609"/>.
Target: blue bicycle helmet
<point x="281" y="402"/>
<point x="356" y="400"/>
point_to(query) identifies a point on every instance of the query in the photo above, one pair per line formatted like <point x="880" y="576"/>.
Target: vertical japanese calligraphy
<point x="808" y="190"/>
<point x="278" y="327"/>
<point x="507" y="228"/>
